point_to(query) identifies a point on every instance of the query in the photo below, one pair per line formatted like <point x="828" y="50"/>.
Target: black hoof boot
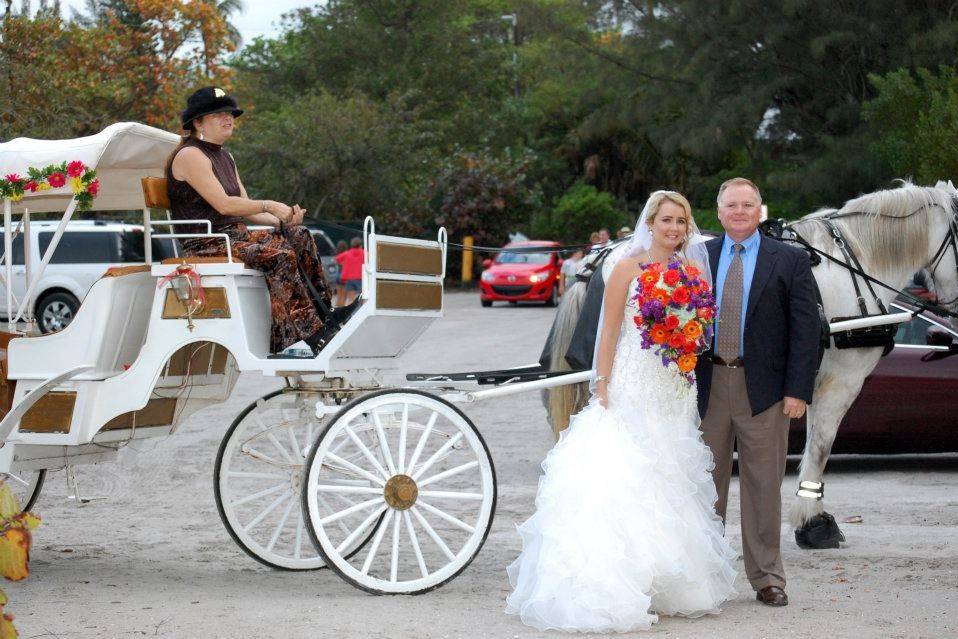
<point x="819" y="532"/>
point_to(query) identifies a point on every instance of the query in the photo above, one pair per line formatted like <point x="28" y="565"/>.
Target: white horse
<point x="894" y="233"/>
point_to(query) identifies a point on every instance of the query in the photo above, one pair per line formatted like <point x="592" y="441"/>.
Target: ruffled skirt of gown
<point x="625" y="527"/>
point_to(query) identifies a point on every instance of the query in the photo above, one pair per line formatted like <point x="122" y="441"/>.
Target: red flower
<point x="57" y="180"/>
<point x="13" y="177"/>
<point x="671" y="322"/>
<point x="655" y="267"/>
<point x="75" y="168"/>
<point x="677" y="340"/>
<point x="31" y="186"/>
<point x="671" y="277"/>
<point x="692" y="272"/>
<point x="680" y="295"/>
<point x="705" y="313"/>
<point x="689" y="346"/>
<point x="659" y="334"/>
<point x="704" y="286"/>
<point x="94" y="187"/>
<point x="638" y="321"/>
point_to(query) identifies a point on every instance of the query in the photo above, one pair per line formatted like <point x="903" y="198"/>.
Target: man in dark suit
<point x="758" y="374"/>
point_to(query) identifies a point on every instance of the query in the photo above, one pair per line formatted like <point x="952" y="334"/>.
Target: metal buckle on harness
<point x="811" y="490"/>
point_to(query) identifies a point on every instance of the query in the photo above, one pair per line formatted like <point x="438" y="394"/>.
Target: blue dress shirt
<point x="749" y="258"/>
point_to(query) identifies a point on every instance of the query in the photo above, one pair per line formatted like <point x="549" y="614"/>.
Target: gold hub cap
<point x="401" y="492"/>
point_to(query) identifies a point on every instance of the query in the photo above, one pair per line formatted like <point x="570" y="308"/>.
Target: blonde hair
<point x="659" y="198"/>
<point x="737" y="181"/>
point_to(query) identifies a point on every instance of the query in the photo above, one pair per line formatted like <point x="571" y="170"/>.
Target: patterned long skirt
<point x="285" y="259"/>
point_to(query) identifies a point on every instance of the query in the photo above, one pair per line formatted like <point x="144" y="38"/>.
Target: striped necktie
<point x="730" y="315"/>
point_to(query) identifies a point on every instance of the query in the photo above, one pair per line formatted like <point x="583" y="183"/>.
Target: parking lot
<point x="148" y="556"/>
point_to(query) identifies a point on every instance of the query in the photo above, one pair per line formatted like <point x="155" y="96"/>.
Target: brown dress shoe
<point x="772" y="596"/>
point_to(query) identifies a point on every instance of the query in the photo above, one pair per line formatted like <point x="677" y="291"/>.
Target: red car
<point x="523" y="276"/>
<point x="907" y="404"/>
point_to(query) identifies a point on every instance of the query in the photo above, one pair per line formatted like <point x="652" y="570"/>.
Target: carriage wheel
<point x="258" y="476"/>
<point x="26" y="486"/>
<point x="434" y="487"/>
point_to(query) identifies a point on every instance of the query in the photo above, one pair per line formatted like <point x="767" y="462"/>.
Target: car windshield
<point x="523" y="258"/>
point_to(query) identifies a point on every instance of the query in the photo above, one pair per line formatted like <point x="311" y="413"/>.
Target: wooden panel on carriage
<point x="408" y="296"/>
<point x="392" y="257"/>
<point x="53" y="413"/>
<point x="159" y="411"/>
<point x="214" y="306"/>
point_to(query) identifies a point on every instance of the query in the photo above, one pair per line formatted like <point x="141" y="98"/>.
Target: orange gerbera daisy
<point x="687" y="363"/>
<point x="658" y="334"/>
<point x="648" y="278"/>
<point x="692" y="329"/>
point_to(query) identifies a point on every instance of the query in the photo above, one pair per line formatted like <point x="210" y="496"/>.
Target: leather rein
<point x="853" y="265"/>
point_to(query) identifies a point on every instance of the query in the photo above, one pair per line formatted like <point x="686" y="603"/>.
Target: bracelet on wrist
<point x="601" y="378"/>
<point x="264" y="206"/>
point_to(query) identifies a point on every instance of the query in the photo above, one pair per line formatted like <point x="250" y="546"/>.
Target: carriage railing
<point x="149" y="224"/>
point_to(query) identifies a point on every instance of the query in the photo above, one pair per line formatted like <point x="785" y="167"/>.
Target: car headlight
<point x="536" y="278"/>
<point x="487" y="276"/>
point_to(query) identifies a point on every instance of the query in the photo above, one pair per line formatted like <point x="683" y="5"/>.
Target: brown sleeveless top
<point x="187" y="204"/>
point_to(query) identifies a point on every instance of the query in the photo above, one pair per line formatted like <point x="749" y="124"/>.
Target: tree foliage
<point x="369" y="106"/>
<point x="580" y="211"/>
<point x="124" y="60"/>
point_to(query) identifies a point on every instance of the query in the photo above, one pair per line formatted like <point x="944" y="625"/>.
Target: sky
<point x="259" y="18"/>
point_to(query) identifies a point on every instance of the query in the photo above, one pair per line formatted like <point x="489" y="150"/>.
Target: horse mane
<point x="888" y="226"/>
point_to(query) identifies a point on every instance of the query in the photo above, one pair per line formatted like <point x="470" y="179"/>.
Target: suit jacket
<point x="781" y="327"/>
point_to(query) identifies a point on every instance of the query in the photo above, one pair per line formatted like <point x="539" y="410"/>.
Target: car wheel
<point x="485" y="303"/>
<point x="554" y="298"/>
<point x="55" y="311"/>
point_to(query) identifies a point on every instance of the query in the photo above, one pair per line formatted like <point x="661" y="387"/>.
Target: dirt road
<point x="151" y="559"/>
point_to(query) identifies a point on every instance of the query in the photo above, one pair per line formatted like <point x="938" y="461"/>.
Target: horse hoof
<point x="819" y="532"/>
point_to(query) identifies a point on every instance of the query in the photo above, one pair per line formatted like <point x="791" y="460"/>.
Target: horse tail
<point x="564" y="401"/>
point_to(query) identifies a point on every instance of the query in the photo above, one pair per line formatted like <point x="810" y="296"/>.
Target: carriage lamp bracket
<point x="811" y="490"/>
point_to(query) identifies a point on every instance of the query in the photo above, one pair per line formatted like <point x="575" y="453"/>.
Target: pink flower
<point x="57" y="180"/>
<point x="75" y="168"/>
<point x="31" y="186"/>
<point x="13" y="177"/>
<point x="94" y="187"/>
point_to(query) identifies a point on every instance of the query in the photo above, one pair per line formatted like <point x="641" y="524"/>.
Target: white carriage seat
<point x="215" y="265"/>
<point x="107" y="332"/>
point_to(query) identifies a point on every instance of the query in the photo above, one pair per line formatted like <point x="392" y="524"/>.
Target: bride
<point x="625" y="527"/>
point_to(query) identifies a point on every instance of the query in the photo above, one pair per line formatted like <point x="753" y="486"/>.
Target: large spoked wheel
<point x="26" y="486"/>
<point x="258" y="479"/>
<point x="431" y="483"/>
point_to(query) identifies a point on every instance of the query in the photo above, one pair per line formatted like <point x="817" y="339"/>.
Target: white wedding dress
<point x="625" y="527"/>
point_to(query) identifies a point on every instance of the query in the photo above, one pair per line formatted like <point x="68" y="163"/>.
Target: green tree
<point x="916" y="118"/>
<point x="580" y="211"/>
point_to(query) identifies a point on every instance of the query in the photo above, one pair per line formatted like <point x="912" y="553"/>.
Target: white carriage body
<point x="119" y="370"/>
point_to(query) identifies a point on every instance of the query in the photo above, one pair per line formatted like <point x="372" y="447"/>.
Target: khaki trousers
<point x="762" y="446"/>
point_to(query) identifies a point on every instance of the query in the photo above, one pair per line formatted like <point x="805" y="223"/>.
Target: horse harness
<point x="872" y="336"/>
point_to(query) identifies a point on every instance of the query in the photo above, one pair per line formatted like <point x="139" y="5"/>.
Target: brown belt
<point x="738" y="362"/>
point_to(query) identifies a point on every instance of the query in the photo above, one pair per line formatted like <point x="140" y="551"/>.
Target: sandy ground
<point x="152" y="559"/>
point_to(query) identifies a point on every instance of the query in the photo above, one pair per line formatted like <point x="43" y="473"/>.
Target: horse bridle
<point x="852" y="264"/>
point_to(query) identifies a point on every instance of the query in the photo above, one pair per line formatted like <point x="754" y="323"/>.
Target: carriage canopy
<point x="122" y="153"/>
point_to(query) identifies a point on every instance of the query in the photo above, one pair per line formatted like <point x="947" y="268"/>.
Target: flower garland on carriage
<point x="81" y="179"/>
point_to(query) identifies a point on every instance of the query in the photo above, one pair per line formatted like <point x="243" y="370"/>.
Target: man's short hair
<point x="737" y="181"/>
<point x="356" y="241"/>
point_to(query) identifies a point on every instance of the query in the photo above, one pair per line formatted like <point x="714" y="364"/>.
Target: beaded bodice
<point x="639" y="380"/>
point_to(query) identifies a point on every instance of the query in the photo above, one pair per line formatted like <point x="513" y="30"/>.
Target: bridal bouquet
<point x="676" y="311"/>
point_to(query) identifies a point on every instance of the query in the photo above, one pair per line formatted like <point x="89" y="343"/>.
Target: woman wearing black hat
<point x="203" y="184"/>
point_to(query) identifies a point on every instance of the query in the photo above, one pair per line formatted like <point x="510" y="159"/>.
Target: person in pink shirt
<point x="351" y="263"/>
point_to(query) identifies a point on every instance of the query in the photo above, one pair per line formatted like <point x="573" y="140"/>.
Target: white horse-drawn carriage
<point x="392" y="488"/>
